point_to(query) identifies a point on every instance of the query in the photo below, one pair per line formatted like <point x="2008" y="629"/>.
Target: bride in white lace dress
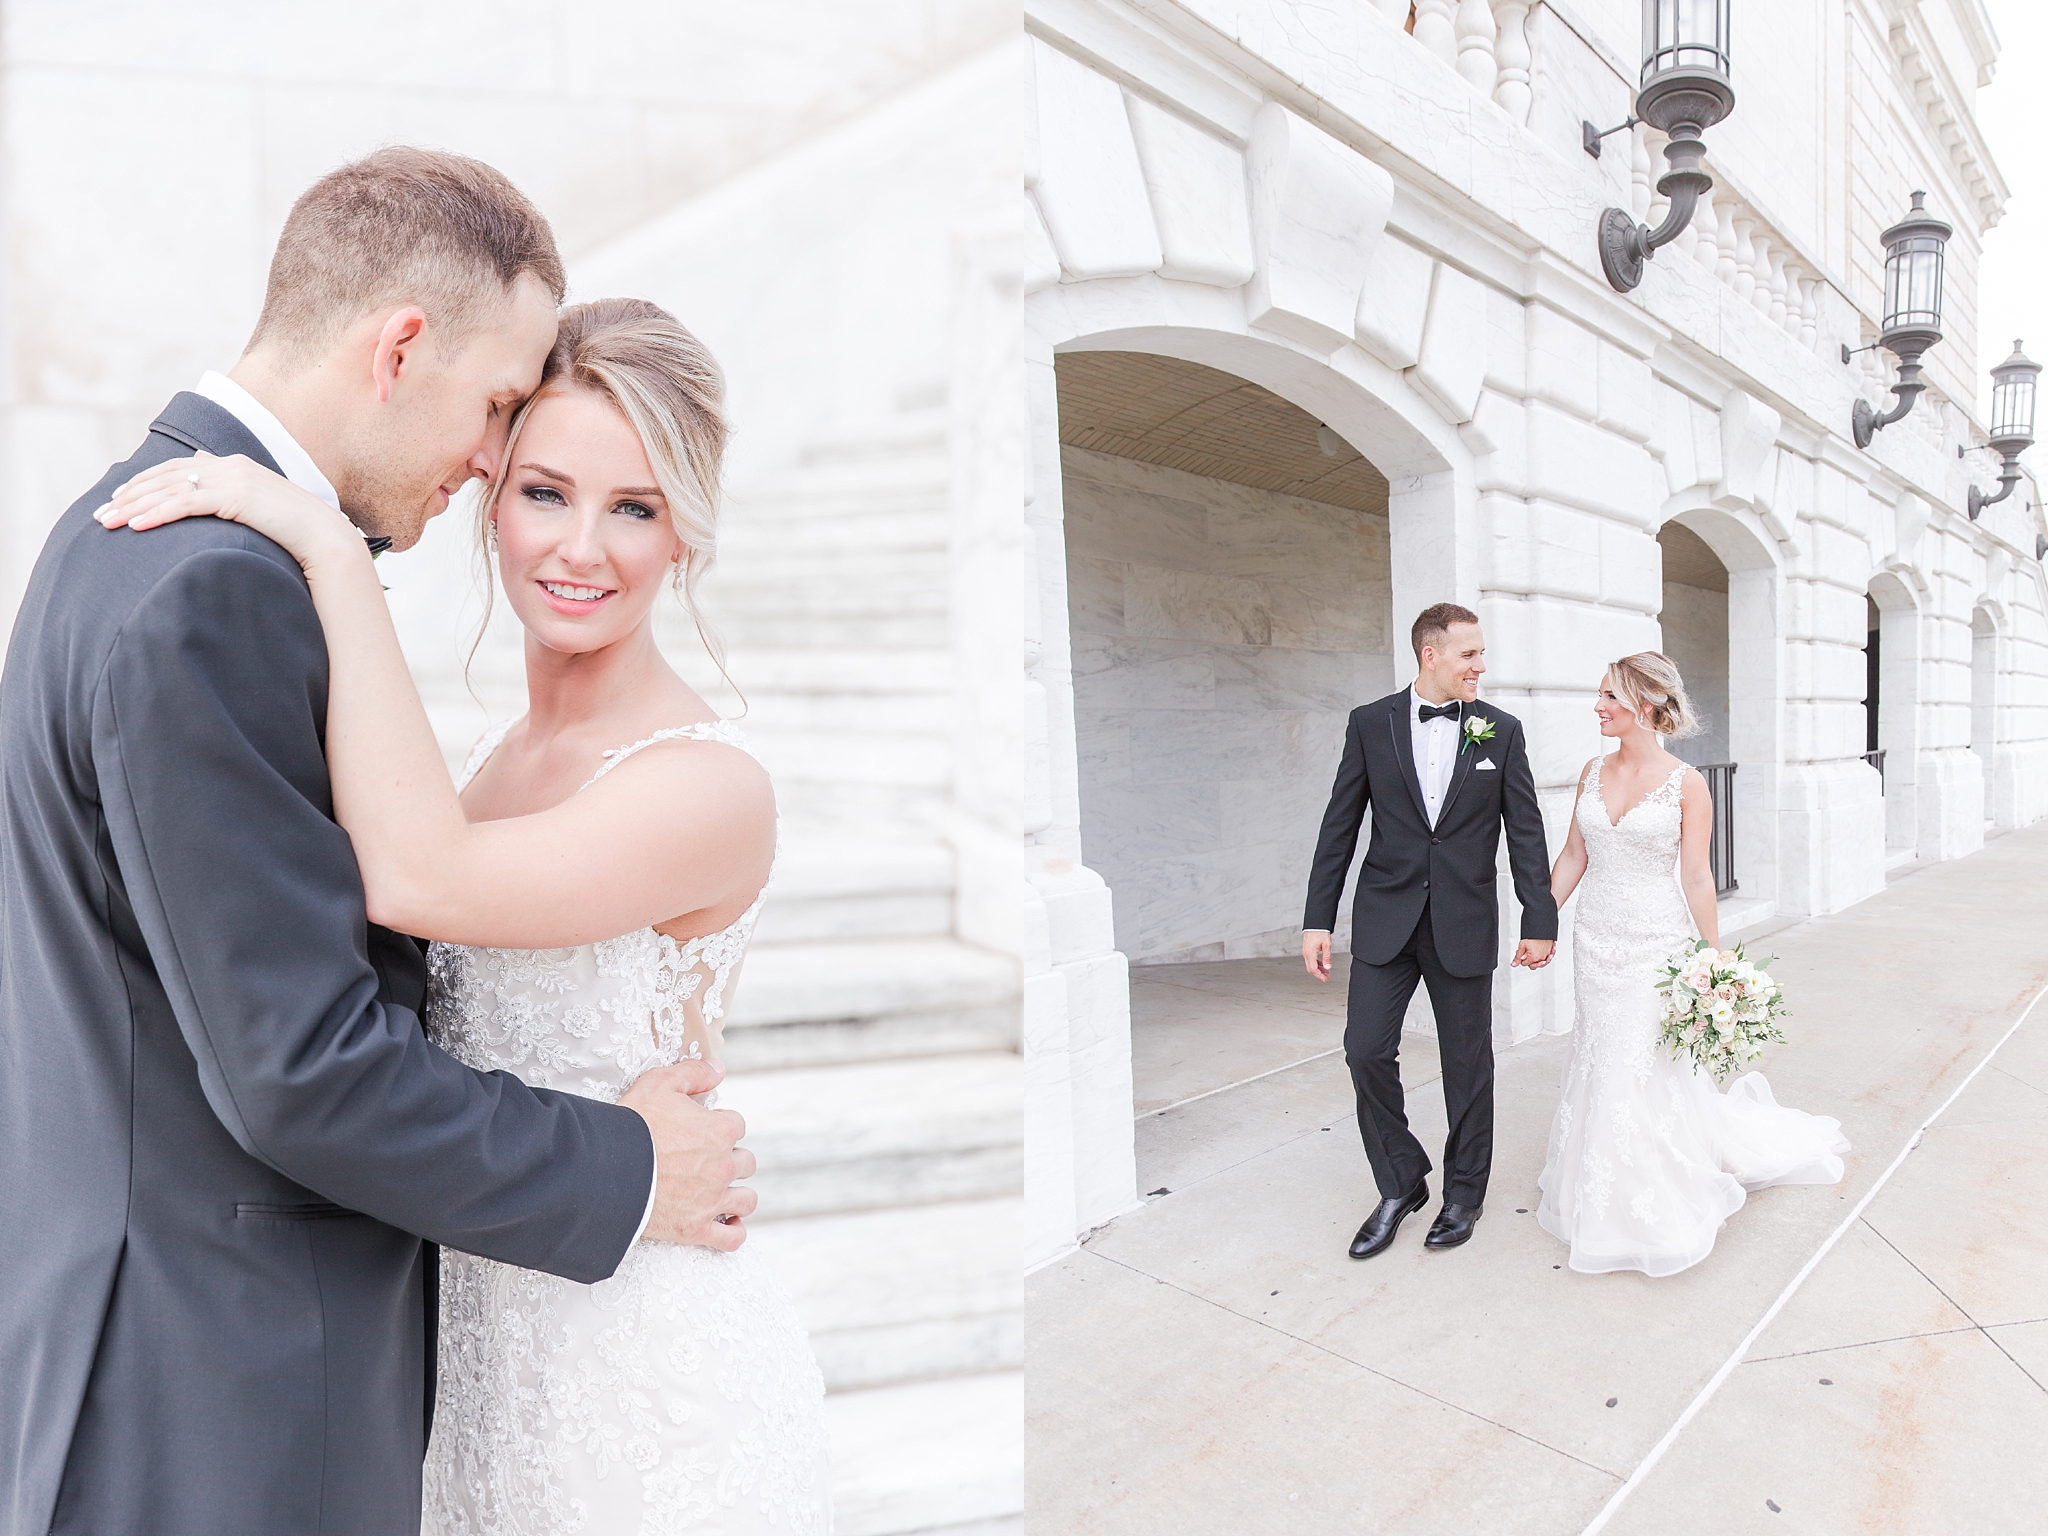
<point x="1647" y="1158"/>
<point x="591" y="895"/>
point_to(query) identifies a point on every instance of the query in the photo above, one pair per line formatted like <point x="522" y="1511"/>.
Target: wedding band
<point x="193" y="478"/>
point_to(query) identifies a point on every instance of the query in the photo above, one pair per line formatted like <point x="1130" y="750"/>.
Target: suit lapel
<point x="1461" y="766"/>
<point x="1404" y="750"/>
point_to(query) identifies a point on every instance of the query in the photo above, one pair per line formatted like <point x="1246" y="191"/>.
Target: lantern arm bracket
<point x="1867" y="422"/>
<point x="1590" y="136"/>
<point x="2008" y="477"/>
<point x="1625" y="245"/>
<point x="1683" y="186"/>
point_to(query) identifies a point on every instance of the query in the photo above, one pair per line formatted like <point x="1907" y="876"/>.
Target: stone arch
<point x="1752" y="682"/>
<point x="1419" y="568"/>
<point x="1371" y="406"/>
<point x="1431" y="501"/>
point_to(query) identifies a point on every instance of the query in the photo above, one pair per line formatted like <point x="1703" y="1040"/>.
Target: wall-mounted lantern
<point x="2012" y="424"/>
<point x="1912" y="311"/>
<point x="1685" y="90"/>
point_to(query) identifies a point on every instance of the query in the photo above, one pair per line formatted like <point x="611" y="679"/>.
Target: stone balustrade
<point x="1485" y="41"/>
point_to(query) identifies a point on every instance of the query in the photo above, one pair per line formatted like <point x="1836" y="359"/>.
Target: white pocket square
<point x="1483" y="765"/>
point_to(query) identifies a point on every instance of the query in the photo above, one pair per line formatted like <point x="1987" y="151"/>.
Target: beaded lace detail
<point x="681" y="1394"/>
<point x="1647" y="1158"/>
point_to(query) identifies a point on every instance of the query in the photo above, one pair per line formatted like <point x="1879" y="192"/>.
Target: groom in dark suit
<point x="1444" y="776"/>
<point x="227" y="1149"/>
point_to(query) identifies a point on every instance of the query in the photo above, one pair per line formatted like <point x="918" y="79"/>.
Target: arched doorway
<point x="1230" y="601"/>
<point x="1891" y="709"/>
<point x="1081" y="1054"/>
<point x="1719" y="623"/>
<point x="1694" y="623"/>
<point x="1694" y="619"/>
<point x="1984" y="707"/>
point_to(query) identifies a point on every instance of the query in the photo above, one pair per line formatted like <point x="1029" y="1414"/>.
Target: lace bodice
<point x="1632" y="864"/>
<point x="1631" y="913"/>
<point x="592" y="1018"/>
<point x="678" y="1396"/>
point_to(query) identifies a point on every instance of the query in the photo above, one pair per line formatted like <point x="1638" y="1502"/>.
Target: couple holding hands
<point x="1647" y="1157"/>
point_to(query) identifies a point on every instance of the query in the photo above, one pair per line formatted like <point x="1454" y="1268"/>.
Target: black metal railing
<point x="1720" y="779"/>
<point x="1876" y="760"/>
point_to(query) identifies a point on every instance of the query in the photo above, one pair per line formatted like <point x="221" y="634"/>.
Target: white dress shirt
<point x="1436" y="752"/>
<point x="299" y="468"/>
<point x="296" y="464"/>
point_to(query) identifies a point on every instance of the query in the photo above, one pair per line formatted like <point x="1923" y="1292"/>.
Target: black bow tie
<point x="1430" y="712"/>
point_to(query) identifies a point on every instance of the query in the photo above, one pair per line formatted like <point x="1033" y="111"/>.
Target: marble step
<point x="887" y="757"/>
<point x="906" y="581"/>
<point x="817" y="983"/>
<point x="918" y="484"/>
<point x="919" y="629"/>
<point x="910" y="812"/>
<point x="904" y="1294"/>
<point x="924" y="712"/>
<point x="811" y="1004"/>
<point x="832" y="887"/>
<point x="768" y="533"/>
<point x="927" y="1457"/>
<point x="875" y="1134"/>
<point x="849" y="672"/>
<point x="916" y="430"/>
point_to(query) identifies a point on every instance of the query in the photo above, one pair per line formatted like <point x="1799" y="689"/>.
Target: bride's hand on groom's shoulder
<point x="241" y="491"/>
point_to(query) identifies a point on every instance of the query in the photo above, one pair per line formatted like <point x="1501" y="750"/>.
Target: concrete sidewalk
<point x="1216" y="1363"/>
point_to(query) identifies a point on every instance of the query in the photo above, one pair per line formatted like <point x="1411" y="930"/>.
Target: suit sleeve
<point x="1528" y="853"/>
<point x="1350" y="794"/>
<point x="207" y="747"/>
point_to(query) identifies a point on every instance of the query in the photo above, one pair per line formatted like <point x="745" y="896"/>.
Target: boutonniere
<point x="1477" y="728"/>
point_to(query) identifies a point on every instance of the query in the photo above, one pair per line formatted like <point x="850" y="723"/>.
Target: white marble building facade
<point x="1382" y="214"/>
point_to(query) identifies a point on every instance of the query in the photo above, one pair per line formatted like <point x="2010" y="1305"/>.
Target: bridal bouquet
<point x="1719" y="1007"/>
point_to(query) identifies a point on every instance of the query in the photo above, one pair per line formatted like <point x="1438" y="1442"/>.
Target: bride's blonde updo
<point x="1648" y="682"/>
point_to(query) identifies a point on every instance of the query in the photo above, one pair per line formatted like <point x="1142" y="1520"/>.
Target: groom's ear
<point x="398" y="349"/>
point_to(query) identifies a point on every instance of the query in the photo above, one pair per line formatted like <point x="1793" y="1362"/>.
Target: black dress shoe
<point x="1385" y="1221"/>
<point x="1453" y="1225"/>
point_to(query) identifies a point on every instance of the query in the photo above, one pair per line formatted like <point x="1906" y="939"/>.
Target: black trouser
<point x="1464" y="1034"/>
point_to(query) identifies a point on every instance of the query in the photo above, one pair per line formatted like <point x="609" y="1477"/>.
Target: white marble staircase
<point x="874" y="1053"/>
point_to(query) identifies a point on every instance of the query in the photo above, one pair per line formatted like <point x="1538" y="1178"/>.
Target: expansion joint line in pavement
<point x="1952" y="1301"/>
<point x="1727" y="1369"/>
<point x="1324" y="1349"/>
<point x="1259" y="1077"/>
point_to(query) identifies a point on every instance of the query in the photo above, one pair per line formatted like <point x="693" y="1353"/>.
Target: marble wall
<point x="1221" y="635"/>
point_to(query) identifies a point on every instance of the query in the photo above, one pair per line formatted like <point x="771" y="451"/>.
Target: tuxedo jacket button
<point x="1434" y="841"/>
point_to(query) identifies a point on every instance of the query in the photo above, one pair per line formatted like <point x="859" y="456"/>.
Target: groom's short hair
<point x="402" y="226"/>
<point x="1434" y="622"/>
